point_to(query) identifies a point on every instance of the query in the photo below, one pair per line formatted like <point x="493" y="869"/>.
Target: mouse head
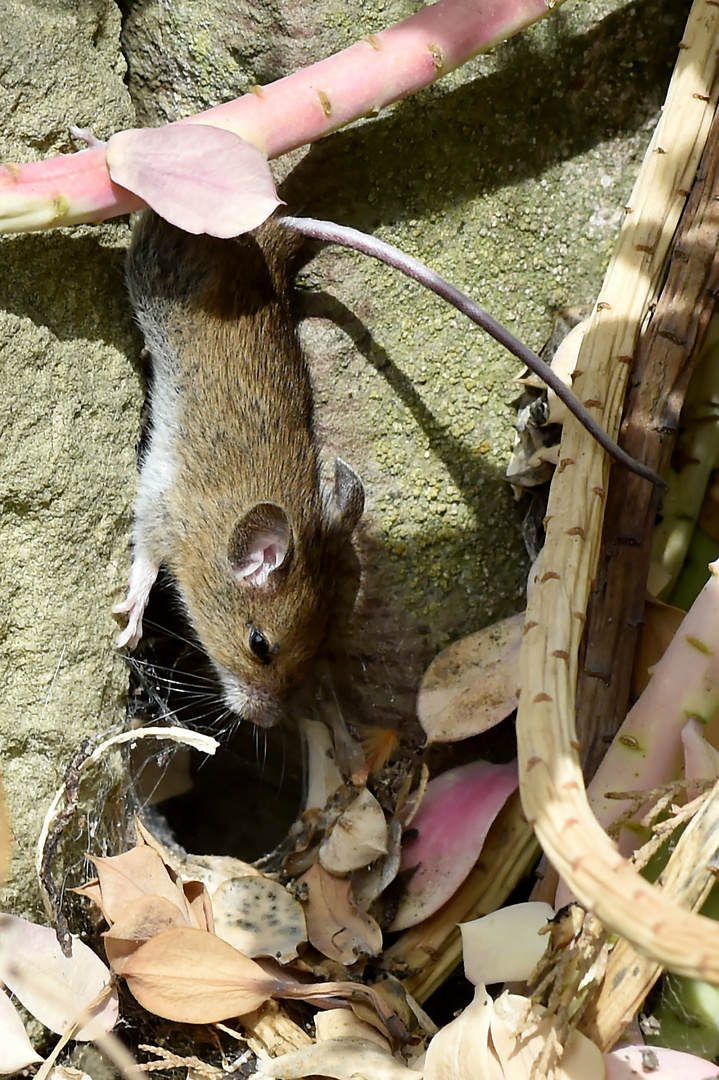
<point x="283" y="576"/>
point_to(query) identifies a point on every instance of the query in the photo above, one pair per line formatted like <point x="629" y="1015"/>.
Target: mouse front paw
<point x="142" y="577"/>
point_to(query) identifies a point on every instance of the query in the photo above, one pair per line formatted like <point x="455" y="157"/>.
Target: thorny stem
<point x="393" y="256"/>
<point x="294" y="111"/>
<point x="551" y="782"/>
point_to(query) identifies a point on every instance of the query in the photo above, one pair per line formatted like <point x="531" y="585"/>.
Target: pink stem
<point x="291" y="112"/>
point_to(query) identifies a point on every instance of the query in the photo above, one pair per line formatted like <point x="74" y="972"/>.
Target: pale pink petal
<point x="202" y="179"/>
<point x="506" y="945"/>
<point x="519" y="1031"/>
<point x="53" y="987"/>
<point x="473" y="684"/>
<point x="16" y="1050"/>
<point x="452" y="822"/>
<point x="701" y="760"/>
<point x="460" y="1050"/>
<point x="656" y="1063"/>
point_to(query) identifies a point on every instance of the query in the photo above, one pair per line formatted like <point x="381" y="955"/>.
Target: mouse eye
<point x="260" y="646"/>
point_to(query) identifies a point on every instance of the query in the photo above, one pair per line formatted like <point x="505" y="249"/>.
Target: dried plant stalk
<point x="687" y="881"/>
<point x="551" y="778"/>
<point x="665" y="359"/>
<point x="270" y="1032"/>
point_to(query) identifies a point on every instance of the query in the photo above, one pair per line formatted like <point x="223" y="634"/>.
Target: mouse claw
<point x="142" y="577"/>
<point x="133" y="630"/>
<point x="86" y="136"/>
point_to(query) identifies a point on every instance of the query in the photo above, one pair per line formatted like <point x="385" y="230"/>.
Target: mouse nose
<point x="249" y="702"/>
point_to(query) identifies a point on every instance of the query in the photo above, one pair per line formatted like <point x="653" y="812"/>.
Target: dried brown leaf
<point x="92" y="891"/>
<point x="141" y="920"/>
<point x="193" y="977"/>
<point x="334" y="925"/>
<point x="135" y="873"/>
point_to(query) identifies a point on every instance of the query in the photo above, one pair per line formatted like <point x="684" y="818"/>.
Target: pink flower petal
<point x="200" y="178"/>
<point x="16" y="1050"/>
<point x="53" y="987"/>
<point x="452" y="823"/>
<point x="701" y="760"/>
<point x="657" y="1063"/>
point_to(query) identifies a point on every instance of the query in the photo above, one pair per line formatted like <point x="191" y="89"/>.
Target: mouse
<point x="231" y="499"/>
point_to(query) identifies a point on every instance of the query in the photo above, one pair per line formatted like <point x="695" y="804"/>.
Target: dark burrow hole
<point x="242" y="800"/>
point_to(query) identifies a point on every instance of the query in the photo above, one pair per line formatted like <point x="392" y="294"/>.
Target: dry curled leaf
<point x="334" y="925"/>
<point x="358" y="838"/>
<point x="343" y="1024"/>
<point x="323" y="775"/>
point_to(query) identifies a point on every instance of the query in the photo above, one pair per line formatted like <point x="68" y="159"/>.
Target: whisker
<point x="135" y="661"/>
<point x="168" y="631"/>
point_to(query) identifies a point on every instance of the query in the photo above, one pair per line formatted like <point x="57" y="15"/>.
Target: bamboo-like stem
<point x="299" y="109"/>
<point x="667" y="354"/>
<point x="687" y="881"/>
<point x="552" y="785"/>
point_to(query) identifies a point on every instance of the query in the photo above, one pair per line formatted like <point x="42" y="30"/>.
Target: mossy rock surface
<point x="508" y="177"/>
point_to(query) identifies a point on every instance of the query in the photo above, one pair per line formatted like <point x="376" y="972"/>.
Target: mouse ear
<point x="346" y="501"/>
<point x="259" y="545"/>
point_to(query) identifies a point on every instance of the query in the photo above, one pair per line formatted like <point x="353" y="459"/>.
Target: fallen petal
<point x="452" y="822"/>
<point x="358" y="838"/>
<point x="259" y="917"/>
<point x="342" y="1059"/>
<point x="53" y="987"/>
<point x="16" y="1050"/>
<point x="473" y="684"/>
<point x="202" y="179"/>
<point x="460" y="1051"/>
<point x="506" y="945"/>
<point x="656" y="1063"/>
<point x="519" y="1031"/>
